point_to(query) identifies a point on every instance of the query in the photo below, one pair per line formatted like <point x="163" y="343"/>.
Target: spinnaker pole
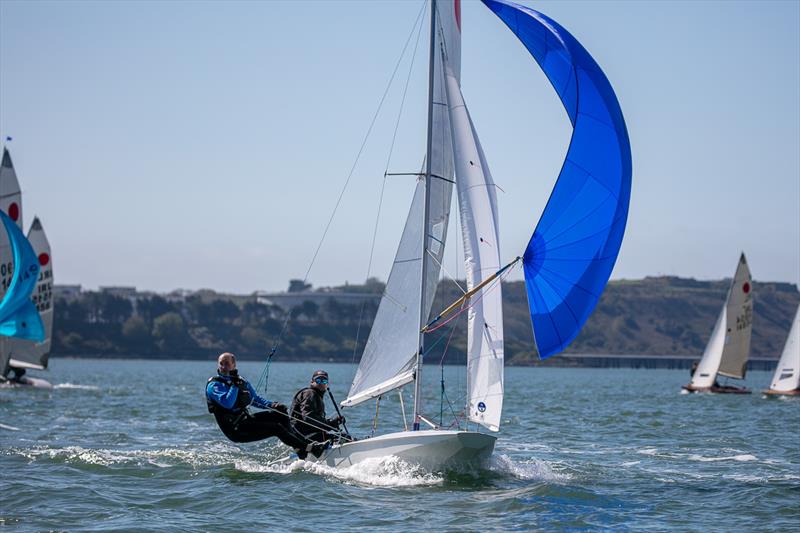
<point x="426" y="222"/>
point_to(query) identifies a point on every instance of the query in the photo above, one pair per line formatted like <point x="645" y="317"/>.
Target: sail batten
<point x="580" y="231"/>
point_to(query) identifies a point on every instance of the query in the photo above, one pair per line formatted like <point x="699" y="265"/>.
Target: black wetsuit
<point x="308" y="405"/>
<point x="228" y="403"/>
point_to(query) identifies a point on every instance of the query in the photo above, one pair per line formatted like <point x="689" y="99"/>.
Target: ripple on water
<point x="75" y="386"/>
<point x="214" y="455"/>
<point x="528" y="469"/>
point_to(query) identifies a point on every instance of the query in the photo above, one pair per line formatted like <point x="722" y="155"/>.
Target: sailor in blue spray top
<point x="229" y="396"/>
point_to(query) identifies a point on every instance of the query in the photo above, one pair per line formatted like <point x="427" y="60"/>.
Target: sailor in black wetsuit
<point x="308" y="410"/>
<point x="228" y="397"/>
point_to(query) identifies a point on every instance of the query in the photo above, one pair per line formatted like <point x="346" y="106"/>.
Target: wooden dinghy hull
<point x="771" y="392"/>
<point x="725" y="389"/>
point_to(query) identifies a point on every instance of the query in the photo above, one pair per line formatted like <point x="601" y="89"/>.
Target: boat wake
<point x="527" y="469"/>
<point x="75" y="386"/>
<point x="161" y="458"/>
<point x="387" y="471"/>
<point x="655" y="452"/>
<point x="740" y="457"/>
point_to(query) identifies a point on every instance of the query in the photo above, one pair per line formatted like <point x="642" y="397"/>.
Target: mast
<point x="426" y="214"/>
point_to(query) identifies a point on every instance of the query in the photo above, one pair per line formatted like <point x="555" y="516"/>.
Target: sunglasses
<point x="321" y="381"/>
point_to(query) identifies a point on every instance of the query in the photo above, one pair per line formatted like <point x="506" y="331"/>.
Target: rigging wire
<point x="386" y="170"/>
<point x="264" y="378"/>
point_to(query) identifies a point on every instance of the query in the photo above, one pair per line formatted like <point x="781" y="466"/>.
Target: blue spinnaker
<point x="573" y="249"/>
<point x="18" y="315"/>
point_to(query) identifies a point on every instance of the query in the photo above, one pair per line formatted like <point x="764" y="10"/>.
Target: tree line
<point x="654" y="316"/>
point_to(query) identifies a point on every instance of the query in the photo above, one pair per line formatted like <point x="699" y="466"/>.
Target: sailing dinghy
<point x="22" y="353"/>
<point x="786" y="380"/>
<point x="30" y="354"/>
<point x="567" y="262"/>
<point x="728" y="349"/>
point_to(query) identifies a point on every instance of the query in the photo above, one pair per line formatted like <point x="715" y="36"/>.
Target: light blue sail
<point x="18" y="315"/>
<point x="573" y="249"/>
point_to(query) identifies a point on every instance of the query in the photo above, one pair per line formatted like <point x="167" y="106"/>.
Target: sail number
<point x="7" y="274"/>
<point x="745" y="320"/>
<point x="42" y="296"/>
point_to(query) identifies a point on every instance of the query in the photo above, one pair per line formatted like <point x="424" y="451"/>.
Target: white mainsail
<point x="787" y="374"/>
<point x="477" y="201"/>
<point x="28" y="354"/>
<point x="739" y="324"/>
<point x="389" y="358"/>
<point x="729" y="346"/>
<point x="11" y="204"/>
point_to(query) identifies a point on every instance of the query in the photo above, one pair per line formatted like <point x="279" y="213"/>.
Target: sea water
<point x="129" y="445"/>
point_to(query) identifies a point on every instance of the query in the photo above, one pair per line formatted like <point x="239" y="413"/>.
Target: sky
<point x="199" y="145"/>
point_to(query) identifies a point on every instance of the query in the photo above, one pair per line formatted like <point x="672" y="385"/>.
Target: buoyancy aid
<point x="243" y="399"/>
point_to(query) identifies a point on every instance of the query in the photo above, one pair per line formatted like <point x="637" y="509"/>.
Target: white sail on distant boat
<point x="18" y="355"/>
<point x="728" y="349"/>
<point x="11" y="204"/>
<point x="786" y="380"/>
<point x="567" y="262"/>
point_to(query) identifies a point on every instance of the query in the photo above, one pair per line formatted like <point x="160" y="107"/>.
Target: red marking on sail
<point x="44" y="259"/>
<point x="457" y="7"/>
<point x="746" y="287"/>
<point x="13" y="211"/>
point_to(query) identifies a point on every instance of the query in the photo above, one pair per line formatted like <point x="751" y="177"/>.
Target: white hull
<point x="430" y="449"/>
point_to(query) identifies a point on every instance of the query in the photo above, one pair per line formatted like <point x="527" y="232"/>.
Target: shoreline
<point x="669" y="362"/>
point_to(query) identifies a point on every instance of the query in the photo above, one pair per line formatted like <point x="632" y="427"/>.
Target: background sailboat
<point x="786" y="380"/>
<point x="28" y="354"/>
<point x="17" y="355"/>
<point x="567" y="262"/>
<point x="728" y="348"/>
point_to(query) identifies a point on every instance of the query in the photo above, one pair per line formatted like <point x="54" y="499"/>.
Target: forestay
<point x="572" y="252"/>
<point x="787" y="374"/>
<point x="739" y="324"/>
<point x="29" y="354"/>
<point x="390" y="353"/>
<point x="477" y="202"/>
